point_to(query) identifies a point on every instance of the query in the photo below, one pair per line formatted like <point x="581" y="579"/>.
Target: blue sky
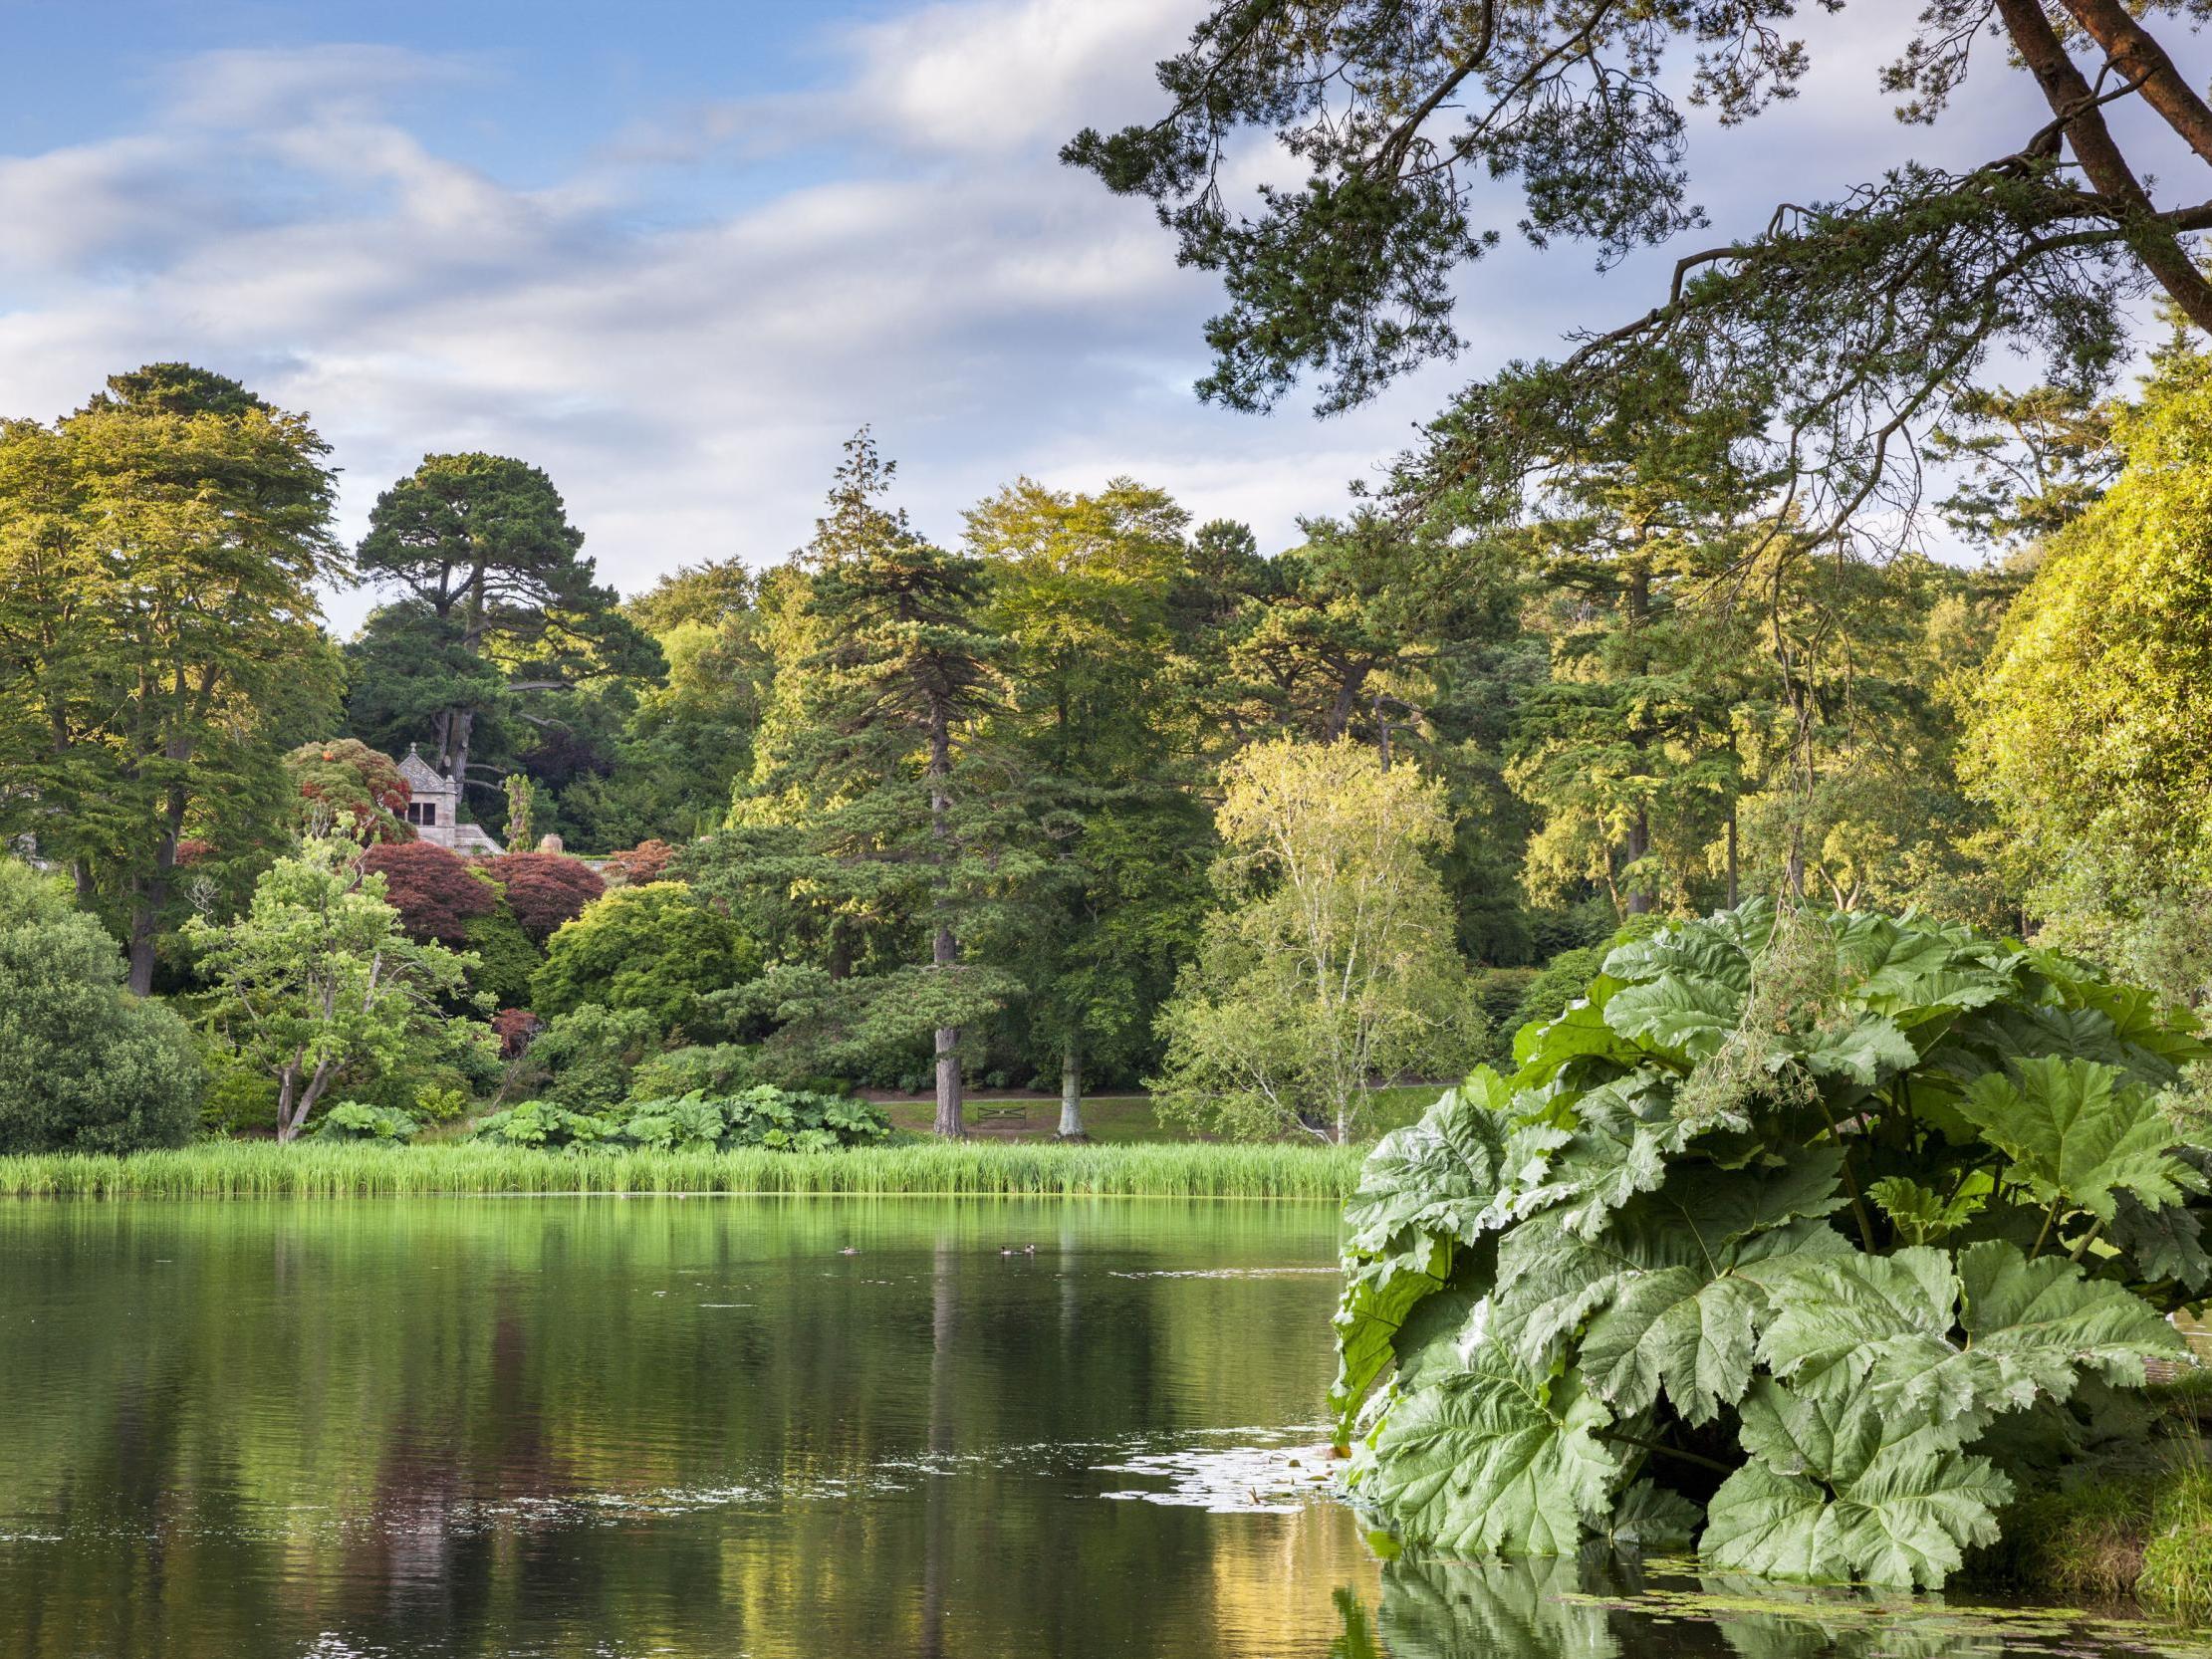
<point x="674" y="251"/>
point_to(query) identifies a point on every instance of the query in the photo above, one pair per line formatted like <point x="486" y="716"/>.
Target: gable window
<point x="423" y="811"/>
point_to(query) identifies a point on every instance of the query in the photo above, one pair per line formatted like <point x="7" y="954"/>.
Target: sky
<point x="674" y="252"/>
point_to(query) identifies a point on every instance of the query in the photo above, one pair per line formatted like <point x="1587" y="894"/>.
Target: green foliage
<point x="2091" y="729"/>
<point x="784" y="1119"/>
<point x="506" y="960"/>
<point x="352" y="1121"/>
<point x="318" y="977"/>
<point x="545" y="1124"/>
<point x="777" y="1120"/>
<point x="84" y="1064"/>
<point x="1870" y="1218"/>
<point x="161" y="557"/>
<point x="583" y="1058"/>
<point x="237" y="1099"/>
<point x="721" y="1068"/>
<point x="1336" y="964"/>
<point x="658" y="948"/>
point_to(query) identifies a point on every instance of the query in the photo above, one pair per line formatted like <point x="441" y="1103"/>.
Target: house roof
<point x="420" y="775"/>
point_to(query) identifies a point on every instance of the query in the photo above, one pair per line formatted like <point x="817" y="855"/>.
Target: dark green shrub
<point x="722" y="1069"/>
<point x="1815" y="1238"/>
<point x="84" y="1064"/>
<point x="659" y="948"/>
<point x="506" y="959"/>
<point x="238" y="1101"/>
<point x="583" y="1059"/>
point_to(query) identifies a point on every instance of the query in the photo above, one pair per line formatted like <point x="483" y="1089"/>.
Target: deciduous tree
<point x="318" y="975"/>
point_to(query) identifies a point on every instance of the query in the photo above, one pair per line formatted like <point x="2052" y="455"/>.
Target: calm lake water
<point x="699" y="1427"/>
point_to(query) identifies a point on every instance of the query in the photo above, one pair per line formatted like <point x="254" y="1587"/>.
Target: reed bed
<point x="262" y="1169"/>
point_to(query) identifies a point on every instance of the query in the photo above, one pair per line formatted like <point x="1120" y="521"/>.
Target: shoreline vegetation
<point x="264" y="1169"/>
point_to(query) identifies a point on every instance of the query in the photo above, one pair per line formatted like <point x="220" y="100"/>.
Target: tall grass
<point x="262" y="1169"/>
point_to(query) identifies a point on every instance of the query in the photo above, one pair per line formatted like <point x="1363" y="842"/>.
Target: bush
<point x="515" y="1028"/>
<point x="656" y="948"/>
<point x="505" y="958"/>
<point x="780" y="1119"/>
<point x="723" y="1068"/>
<point x="783" y="1119"/>
<point x="84" y="1064"/>
<point x="646" y="862"/>
<point x="1817" y="1236"/>
<point x="353" y="1120"/>
<point x="238" y="1098"/>
<point x="583" y="1058"/>
<point x="545" y="889"/>
<point x="545" y="1124"/>
<point x="436" y="891"/>
<point x="345" y="786"/>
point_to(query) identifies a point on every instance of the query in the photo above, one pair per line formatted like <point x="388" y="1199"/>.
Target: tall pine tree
<point x="874" y="826"/>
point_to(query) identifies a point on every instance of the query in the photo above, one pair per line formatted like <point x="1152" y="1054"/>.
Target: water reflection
<point x="666" y="1426"/>
<point x="1603" y="1606"/>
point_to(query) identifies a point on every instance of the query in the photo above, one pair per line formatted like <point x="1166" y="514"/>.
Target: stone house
<point x="434" y="809"/>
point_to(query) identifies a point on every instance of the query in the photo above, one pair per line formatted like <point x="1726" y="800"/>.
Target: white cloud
<point x="686" y="376"/>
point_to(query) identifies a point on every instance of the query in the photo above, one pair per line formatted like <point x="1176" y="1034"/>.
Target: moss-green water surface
<point x="754" y="1426"/>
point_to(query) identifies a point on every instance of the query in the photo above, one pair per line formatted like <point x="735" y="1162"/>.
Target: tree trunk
<point x="1638" y="900"/>
<point x="1071" y="1092"/>
<point x="2073" y="102"/>
<point x="950" y="1121"/>
<point x="944" y="949"/>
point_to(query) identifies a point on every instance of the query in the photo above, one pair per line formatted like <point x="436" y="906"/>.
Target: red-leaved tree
<point x="358" y="789"/>
<point x="646" y="862"/>
<point x="434" y="889"/>
<point x="545" y="889"/>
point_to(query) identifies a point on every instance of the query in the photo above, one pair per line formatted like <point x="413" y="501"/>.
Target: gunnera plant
<point x="1806" y="1238"/>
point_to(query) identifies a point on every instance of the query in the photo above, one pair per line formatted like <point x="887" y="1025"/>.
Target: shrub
<point x="436" y="890"/>
<point x="1814" y="1235"/>
<point x="238" y="1097"/>
<point x="545" y="889"/>
<point x="353" y="1120"/>
<point x="345" y="786"/>
<point x="505" y="958"/>
<point x="722" y="1069"/>
<point x="783" y="1119"/>
<point x="586" y="1055"/>
<point x="435" y="1104"/>
<point x="646" y="862"/>
<point x="515" y="1026"/>
<point x="545" y="1124"/>
<point x="656" y="948"/>
<point x="84" y="1064"/>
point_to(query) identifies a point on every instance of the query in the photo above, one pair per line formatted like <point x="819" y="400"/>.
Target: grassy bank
<point x="262" y="1169"/>
<point x="2142" y="1530"/>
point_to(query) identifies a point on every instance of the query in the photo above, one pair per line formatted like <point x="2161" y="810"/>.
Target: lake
<point x="749" y="1427"/>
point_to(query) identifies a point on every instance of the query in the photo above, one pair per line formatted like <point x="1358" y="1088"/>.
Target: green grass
<point x="262" y="1169"/>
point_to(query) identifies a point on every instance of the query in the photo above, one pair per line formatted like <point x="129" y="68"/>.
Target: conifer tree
<point x="873" y="827"/>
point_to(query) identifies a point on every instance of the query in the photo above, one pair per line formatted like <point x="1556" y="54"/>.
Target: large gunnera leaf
<point x="1882" y="1329"/>
<point x="1454" y="1173"/>
<point x="1500" y="1458"/>
<point x="1378" y="1297"/>
<point x="1680" y="1016"/>
<point x="1705" y="1221"/>
<point x="1838" y="1488"/>
<point x="2076" y="1132"/>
